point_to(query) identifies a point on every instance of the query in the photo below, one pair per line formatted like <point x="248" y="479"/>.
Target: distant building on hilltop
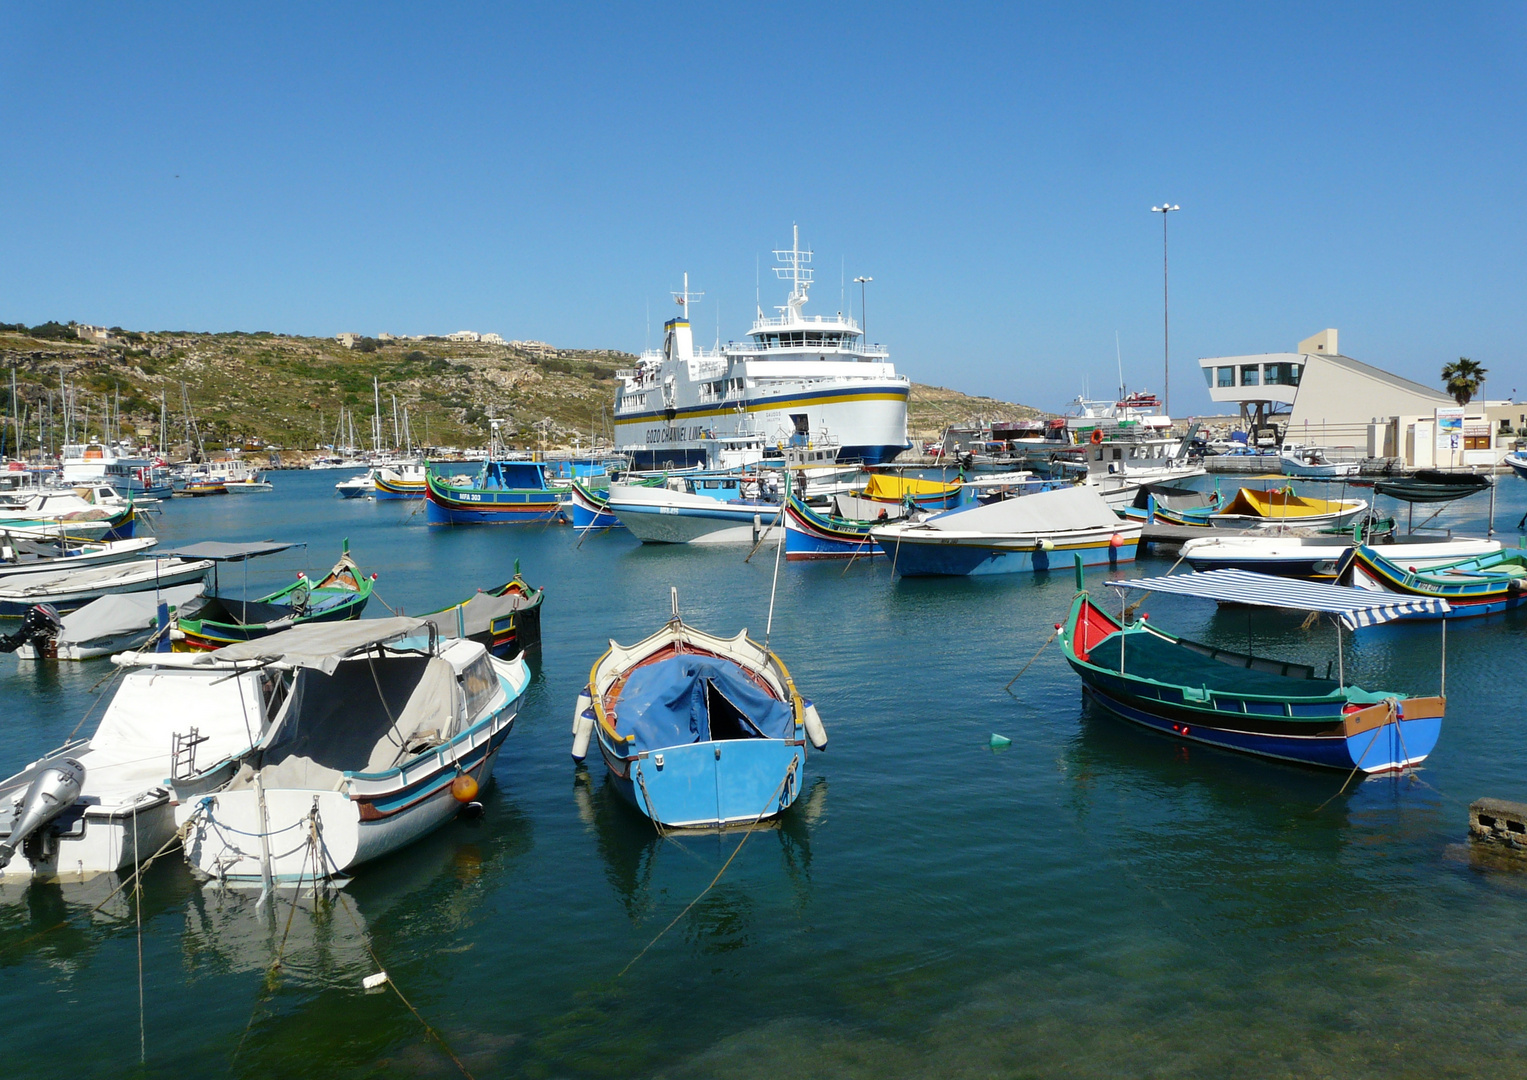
<point x="347" y="340"/>
<point x="492" y="339"/>
<point x="535" y="348"/>
<point x="464" y="335"/>
<point x="93" y="333"/>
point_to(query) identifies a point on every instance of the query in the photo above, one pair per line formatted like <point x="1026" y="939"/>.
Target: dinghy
<point x="1432" y="485"/>
<point x="385" y="733"/>
<point x="1312" y="463"/>
<point x="1279" y="507"/>
<point x="103" y="804"/>
<point x="1266" y="707"/>
<point x="698" y="732"/>
<point x="1014" y="536"/>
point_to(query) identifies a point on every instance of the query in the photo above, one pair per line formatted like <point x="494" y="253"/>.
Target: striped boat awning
<point x="1354" y="607"/>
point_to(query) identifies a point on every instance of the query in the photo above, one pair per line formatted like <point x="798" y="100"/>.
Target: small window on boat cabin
<point x="1225" y="375"/>
<point x="1251" y="374"/>
<point x="1117" y="453"/>
<point x="478" y="682"/>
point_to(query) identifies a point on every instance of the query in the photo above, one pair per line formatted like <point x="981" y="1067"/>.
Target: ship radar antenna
<point x="685" y="298"/>
<point x="796" y="272"/>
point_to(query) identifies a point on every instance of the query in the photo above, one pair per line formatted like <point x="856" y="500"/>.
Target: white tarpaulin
<point x="321" y="645"/>
<point x="121" y="613"/>
<point x="1067" y="508"/>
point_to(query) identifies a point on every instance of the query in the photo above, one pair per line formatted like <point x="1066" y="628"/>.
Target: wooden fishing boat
<point x="1270" y="708"/>
<point x="223" y="620"/>
<point x="504" y="493"/>
<point x="900" y="490"/>
<point x="1432" y="485"/>
<point x="1278" y="507"/>
<point x="201" y="488"/>
<point x="1171" y="505"/>
<point x="1317" y="557"/>
<point x="1481" y="585"/>
<point x="506" y="620"/>
<point x="383" y="733"/>
<point x="810" y="534"/>
<point x="400" y="482"/>
<point x="589" y="508"/>
<point x="698" y="731"/>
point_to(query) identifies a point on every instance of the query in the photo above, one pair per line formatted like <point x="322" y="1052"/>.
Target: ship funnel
<point x="52" y="791"/>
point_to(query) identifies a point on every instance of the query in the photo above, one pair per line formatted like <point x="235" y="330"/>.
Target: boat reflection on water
<point x="632" y="849"/>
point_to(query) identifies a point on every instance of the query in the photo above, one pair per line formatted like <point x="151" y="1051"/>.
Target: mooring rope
<point x="1053" y="635"/>
<point x="790" y="772"/>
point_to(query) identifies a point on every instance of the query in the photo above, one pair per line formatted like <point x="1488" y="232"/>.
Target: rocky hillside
<point x="275" y="390"/>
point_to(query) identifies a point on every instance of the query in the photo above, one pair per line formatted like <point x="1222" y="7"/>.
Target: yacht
<point x="797" y="380"/>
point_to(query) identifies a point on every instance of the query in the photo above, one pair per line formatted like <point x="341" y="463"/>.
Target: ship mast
<point x="797" y="273"/>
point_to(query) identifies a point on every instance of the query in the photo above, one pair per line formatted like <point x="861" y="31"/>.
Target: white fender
<point x="814" y="729"/>
<point x="583" y="727"/>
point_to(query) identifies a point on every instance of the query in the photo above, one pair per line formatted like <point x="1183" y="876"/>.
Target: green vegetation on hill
<point x="262" y="388"/>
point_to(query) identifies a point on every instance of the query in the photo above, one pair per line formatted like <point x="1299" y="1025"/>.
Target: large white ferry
<point x="796" y="379"/>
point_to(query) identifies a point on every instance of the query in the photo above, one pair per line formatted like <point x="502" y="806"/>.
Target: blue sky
<point x="550" y="171"/>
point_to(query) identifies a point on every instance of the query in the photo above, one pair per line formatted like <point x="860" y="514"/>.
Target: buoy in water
<point x="464" y="788"/>
<point x="999" y="741"/>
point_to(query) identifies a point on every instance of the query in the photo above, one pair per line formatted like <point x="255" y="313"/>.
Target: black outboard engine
<point x="53" y="790"/>
<point x="40" y="624"/>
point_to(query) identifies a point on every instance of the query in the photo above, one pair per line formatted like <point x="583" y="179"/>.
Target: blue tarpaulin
<point x="689" y="699"/>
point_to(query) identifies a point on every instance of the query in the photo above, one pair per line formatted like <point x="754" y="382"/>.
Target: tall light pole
<point x="864" y="318"/>
<point x="1166" y="337"/>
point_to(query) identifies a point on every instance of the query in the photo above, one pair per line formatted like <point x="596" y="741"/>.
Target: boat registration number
<point x="667" y="509"/>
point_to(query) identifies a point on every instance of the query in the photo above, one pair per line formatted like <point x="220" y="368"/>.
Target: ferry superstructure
<point x="796" y="378"/>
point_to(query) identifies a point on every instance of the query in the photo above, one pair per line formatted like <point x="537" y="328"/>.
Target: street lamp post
<point x="1166" y="337"/>
<point x="864" y="318"/>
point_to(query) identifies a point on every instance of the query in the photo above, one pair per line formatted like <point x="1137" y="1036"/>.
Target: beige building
<point x="1315" y="396"/>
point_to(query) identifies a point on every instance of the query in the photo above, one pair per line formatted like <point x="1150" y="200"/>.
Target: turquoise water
<point x="1092" y="901"/>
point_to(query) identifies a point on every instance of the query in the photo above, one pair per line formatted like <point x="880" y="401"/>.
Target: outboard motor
<point x="40" y="624"/>
<point x="53" y="790"/>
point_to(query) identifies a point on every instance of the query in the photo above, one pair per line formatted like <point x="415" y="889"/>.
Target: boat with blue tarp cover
<point x="504" y="492"/>
<point x="1236" y="701"/>
<point x="698" y="731"/>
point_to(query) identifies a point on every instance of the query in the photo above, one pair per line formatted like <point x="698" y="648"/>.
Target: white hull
<point x="658" y="515"/>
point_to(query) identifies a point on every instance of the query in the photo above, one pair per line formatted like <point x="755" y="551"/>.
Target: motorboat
<point x="385" y="733"/>
<point x="700" y="508"/>
<point x="103" y="804"/>
<point x="21" y="558"/>
<point x="1317" y="556"/>
<point x="1517" y="462"/>
<point x="112" y="624"/>
<point x="66" y="590"/>
<point x="697" y="731"/>
<point x="1313" y="463"/>
<point x="1012" y="536"/>
<point x="357" y="486"/>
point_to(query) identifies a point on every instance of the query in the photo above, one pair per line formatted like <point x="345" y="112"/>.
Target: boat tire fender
<point x="583" y="727"/>
<point x="814" y="729"/>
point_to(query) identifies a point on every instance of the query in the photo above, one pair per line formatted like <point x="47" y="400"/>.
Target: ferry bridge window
<point x="1226" y="376"/>
<point x="1250" y="374"/>
<point x="1281" y="374"/>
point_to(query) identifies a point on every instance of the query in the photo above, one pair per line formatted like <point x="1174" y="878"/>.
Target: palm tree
<point x="1463" y="379"/>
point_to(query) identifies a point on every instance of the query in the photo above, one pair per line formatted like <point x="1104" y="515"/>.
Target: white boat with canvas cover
<point x="163" y="723"/>
<point x="112" y="624"/>
<point x="385" y="732"/>
<point x="1317" y="556"/>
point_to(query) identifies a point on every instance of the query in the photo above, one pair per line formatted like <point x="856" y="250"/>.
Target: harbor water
<point x="1091" y="901"/>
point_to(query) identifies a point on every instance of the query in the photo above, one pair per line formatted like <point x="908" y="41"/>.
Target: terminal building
<point x="1315" y="396"/>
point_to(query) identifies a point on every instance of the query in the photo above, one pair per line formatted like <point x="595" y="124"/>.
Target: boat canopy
<point x="121" y="613"/>
<point x="896" y="488"/>
<point x="1067" y="508"/>
<point x="690" y="699"/>
<point x="1354" y="607"/>
<point x="1278" y="503"/>
<point x="221" y="551"/>
<point x="321" y="645"/>
<point x="477" y="614"/>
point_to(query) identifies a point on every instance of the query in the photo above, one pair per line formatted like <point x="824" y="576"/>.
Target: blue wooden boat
<point x="698" y="732"/>
<point x="504" y="492"/>
<point x="810" y="534"/>
<point x="1478" y="586"/>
